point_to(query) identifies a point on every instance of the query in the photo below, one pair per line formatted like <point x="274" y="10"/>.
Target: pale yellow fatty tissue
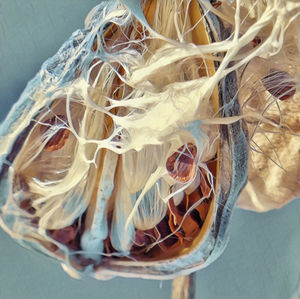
<point x="274" y="155"/>
<point x="270" y="186"/>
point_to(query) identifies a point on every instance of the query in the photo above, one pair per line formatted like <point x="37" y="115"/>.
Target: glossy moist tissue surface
<point x="126" y="153"/>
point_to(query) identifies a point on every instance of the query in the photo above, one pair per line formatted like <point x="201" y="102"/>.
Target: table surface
<point x="262" y="260"/>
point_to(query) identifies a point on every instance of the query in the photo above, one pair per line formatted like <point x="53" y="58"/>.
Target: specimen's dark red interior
<point x="183" y="222"/>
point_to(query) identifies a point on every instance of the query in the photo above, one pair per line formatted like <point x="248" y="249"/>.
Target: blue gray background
<point x="262" y="260"/>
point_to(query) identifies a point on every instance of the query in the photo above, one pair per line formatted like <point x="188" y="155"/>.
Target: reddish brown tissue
<point x="58" y="140"/>
<point x="181" y="165"/>
<point x="279" y="84"/>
